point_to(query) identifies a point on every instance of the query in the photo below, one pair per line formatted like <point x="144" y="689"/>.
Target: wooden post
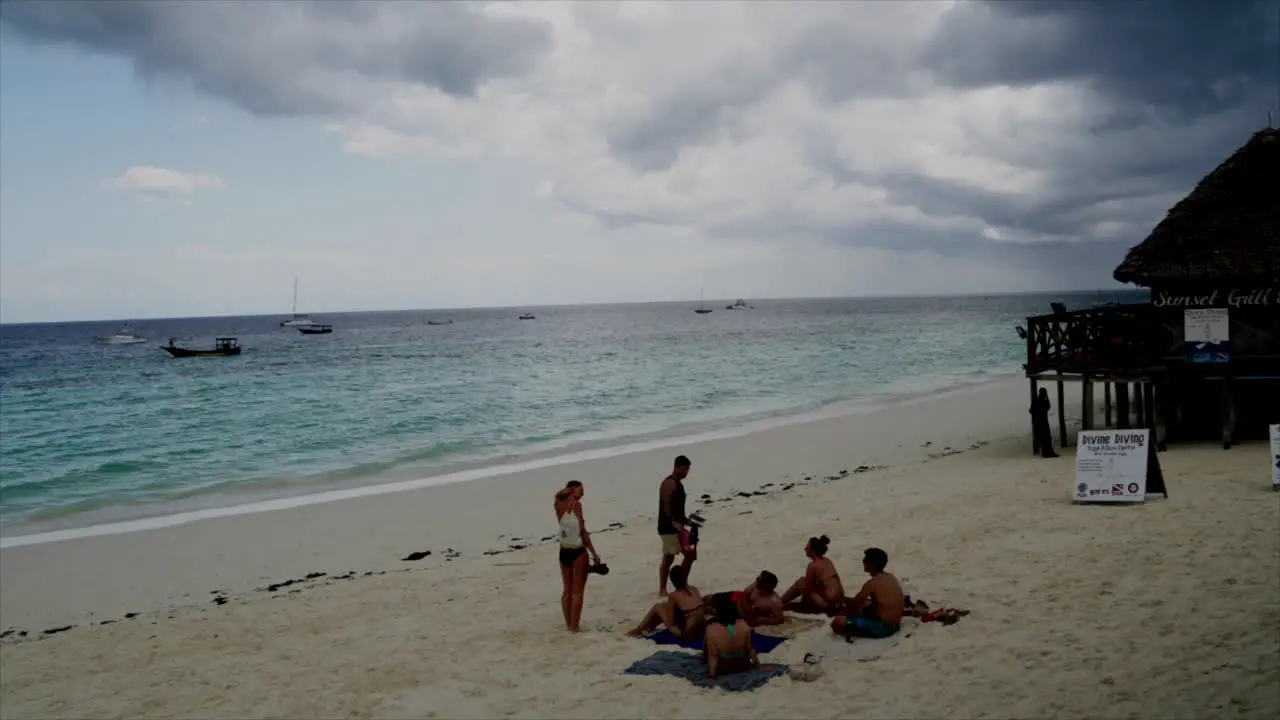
<point x="1138" y="411"/>
<point x="1122" y="406"/>
<point x="1161" y="402"/>
<point x="1086" y="403"/>
<point x="1228" y="412"/>
<point x="1062" y="413"/>
<point x="1150" y="404"/>
<point x="1035" y="446"/>
<point x="1106" y="394"/>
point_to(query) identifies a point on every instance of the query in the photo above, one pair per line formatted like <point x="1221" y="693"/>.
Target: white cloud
<point x="157" y="182"/>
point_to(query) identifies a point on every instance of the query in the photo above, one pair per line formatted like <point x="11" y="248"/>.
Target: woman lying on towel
<point x="727" y="644"/>
<point x="819" y="591"/>
<point x="681" y="612"/>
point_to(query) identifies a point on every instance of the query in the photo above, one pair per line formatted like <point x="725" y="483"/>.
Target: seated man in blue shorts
<point x="876" y="611"/>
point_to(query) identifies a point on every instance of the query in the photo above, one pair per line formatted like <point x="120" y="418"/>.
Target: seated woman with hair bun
<point x="818" y="591"/>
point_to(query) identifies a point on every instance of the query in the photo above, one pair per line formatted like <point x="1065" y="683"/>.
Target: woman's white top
<point x="570" y="529"/>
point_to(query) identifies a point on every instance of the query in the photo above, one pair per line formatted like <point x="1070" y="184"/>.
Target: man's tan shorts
<point x="671" y="544"/>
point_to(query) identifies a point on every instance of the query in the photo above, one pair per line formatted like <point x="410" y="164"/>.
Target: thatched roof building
<point x="1226" y="232"/>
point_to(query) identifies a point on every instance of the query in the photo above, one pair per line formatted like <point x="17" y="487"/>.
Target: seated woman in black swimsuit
<point x="819" y="590"/>
<point x="681" y="612"/>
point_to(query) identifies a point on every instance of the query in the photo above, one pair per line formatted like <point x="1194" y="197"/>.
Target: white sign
<point x="1275" y="457"/>
<point x="1208" y="325"/>
<point x="1111" y="466"/>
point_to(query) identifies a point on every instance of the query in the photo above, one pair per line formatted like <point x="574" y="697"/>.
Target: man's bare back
<point x="884" y="594"/>
<point x="761" y="607"/>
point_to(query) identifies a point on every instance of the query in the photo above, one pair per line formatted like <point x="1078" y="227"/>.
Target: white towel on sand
<point x="835" y="649"/>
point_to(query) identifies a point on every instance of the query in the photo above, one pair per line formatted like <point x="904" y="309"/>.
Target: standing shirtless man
<point x="876" y="611"/>
<point x="673" y="523"/>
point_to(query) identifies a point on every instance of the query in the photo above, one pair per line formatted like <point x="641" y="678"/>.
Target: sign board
<point x="1207" y="335"/>
<point x="1112" y="466"/>
<point x="1275" y="457"/>
<point x="1235" y="297"/>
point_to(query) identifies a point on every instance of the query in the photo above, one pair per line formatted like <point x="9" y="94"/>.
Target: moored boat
<point x="298" y="320"/>
<point x="222" y="346"/>
<point x="316" y="329"/>
<point x="126" y="336"/>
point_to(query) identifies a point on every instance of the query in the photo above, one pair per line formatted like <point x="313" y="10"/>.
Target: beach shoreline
<point x="1076" y="611"/>
<point x="255" y="498"/>
<point x="482" y="515"/>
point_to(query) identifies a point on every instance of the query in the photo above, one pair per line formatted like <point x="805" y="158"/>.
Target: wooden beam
<point x="1062" y="415"/>
<point x="1106" y="394"/>
<point x="1122" y="406"/>
<point x="1139" y="412"/>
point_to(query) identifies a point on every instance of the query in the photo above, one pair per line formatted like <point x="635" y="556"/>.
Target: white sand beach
<point x="1170" y="609"/>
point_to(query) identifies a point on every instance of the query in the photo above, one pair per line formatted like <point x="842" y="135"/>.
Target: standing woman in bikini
<point x="575" y="543"/>
<point x="819" y="591"/>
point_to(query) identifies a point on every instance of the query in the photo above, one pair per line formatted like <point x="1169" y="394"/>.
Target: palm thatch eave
<point x="1226" y="232"/>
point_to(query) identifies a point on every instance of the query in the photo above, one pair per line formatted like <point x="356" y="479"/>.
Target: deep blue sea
<point x="87" y="427"/>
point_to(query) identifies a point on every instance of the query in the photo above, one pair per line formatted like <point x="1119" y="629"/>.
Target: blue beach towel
<point x="693" y="669"/>
<point x="761" y="643"/>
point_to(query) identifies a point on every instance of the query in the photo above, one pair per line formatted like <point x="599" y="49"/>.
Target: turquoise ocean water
<point x="89" y="431"/>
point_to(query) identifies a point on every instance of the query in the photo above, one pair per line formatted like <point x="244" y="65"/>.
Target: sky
<point x="164" y="159"/>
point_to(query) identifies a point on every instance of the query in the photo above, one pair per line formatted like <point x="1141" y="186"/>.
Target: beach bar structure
<point x="1201" y="359"/>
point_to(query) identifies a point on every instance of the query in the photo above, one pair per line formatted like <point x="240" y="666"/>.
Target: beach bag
<point x="808" y="670"/>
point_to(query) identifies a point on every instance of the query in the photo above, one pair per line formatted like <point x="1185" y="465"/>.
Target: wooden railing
<point x="1122" y="339"/>
<point x="1113" y="339"/>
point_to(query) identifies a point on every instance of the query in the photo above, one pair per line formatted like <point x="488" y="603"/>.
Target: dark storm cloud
<point x="1179" y="85"/>
<point x="292" y="57"/>
<point x="1190" y="57"/>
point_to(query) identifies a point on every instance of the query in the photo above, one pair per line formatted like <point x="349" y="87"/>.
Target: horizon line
<point x="534" y="306"/>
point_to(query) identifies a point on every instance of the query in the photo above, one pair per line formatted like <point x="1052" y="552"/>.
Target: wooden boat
<point x="316" y="329"/>
<point x="222" y="346"/>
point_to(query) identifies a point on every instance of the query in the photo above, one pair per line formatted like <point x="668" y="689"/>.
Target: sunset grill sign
<point x="1226" y="298"/>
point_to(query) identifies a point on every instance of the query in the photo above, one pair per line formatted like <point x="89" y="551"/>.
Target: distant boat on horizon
<point x="738" y="304"/>
<point x="701" y="309"/>
<point x="527" y="316"/>
<point x="297" y="320"/>
<point x="315" y="329"/>
<point x="440" y="322"/>
<point x="222" y="347"/>
<point x="125" y="336"/>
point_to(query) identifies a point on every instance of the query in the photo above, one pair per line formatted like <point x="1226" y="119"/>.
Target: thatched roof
<point x="1227" y="231"/>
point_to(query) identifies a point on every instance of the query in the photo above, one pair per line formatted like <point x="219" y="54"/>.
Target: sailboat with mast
<point x="701" y="309"/>
<point x="297" y="320"/>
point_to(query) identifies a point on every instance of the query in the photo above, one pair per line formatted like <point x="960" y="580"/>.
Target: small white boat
<point x="297" y="321"/>
<point x="738" y="304"/>
<point x="126" y="336"/>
